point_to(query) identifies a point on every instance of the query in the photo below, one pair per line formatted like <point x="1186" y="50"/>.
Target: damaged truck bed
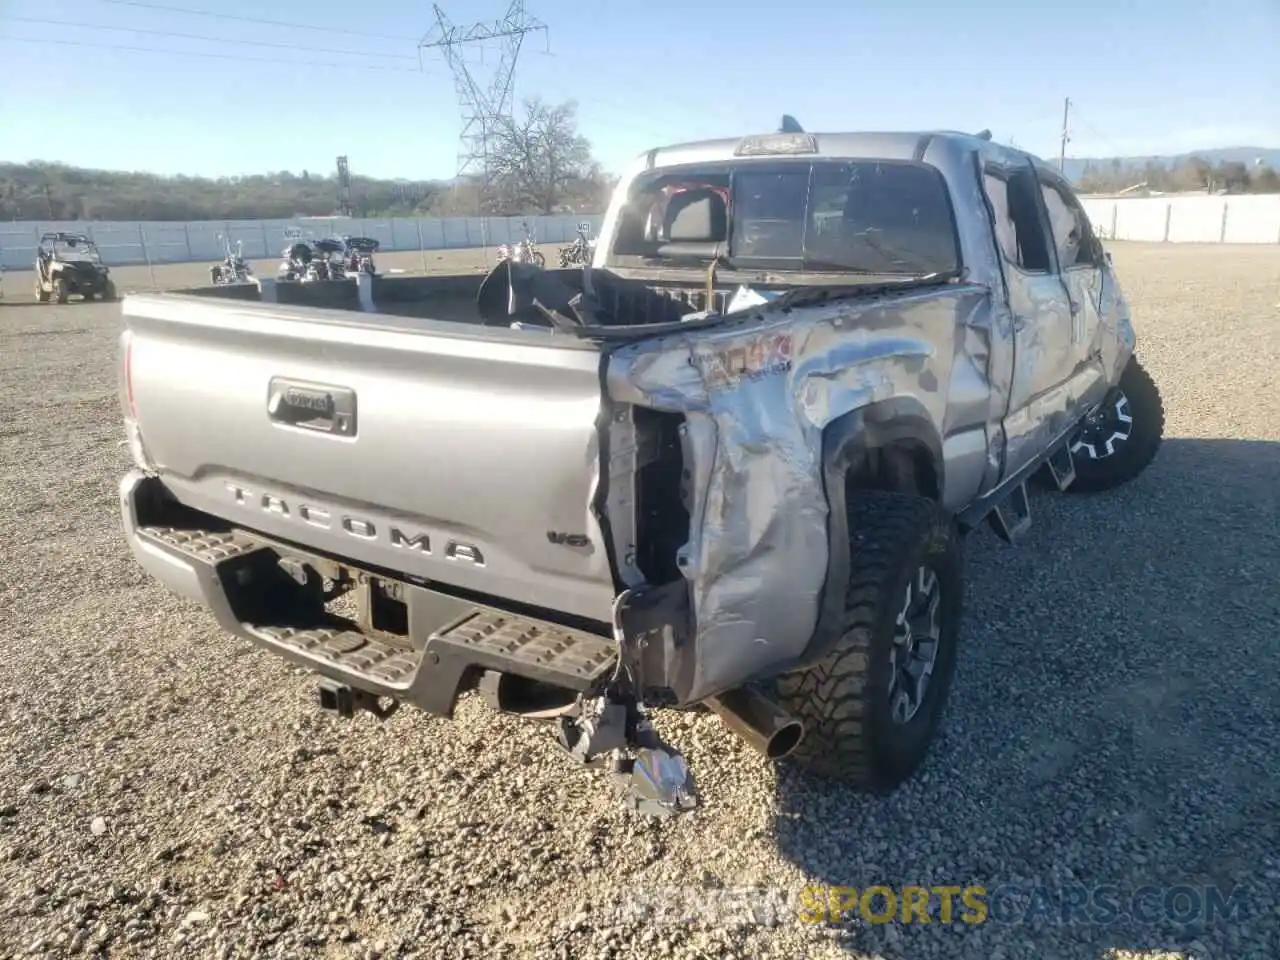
<point x="728" y="464"/>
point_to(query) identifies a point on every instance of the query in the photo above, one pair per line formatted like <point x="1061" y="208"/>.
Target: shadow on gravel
<point x="1106" y="768"/>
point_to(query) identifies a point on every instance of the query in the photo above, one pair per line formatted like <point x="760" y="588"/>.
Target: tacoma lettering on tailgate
<point x="358" y="527"/>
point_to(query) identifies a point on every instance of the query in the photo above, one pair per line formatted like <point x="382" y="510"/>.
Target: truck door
<point x="1081" y="262"/>
<point x="1045" y="352"/>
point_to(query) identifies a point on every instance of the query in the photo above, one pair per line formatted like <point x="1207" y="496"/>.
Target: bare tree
<point x="540" y="163"/>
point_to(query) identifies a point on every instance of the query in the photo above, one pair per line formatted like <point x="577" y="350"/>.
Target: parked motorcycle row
<point x="303" y="260"/>
<point x="526" y="249"/>
<point x="306" y="259"/>
<point x="332" y="258"/>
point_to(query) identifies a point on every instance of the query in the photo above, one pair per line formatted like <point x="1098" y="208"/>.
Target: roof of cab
<point x="887" y="145"/>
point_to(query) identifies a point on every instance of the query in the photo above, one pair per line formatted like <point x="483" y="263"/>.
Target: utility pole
<point x="344" y="187"/>
<point x="1062" y="150"/>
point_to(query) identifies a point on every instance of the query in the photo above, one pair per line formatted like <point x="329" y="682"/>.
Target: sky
<point x="111" y="85"/>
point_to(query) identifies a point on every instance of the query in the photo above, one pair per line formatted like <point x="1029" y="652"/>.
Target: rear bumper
<point x="428" y="647"/>
<point x="85" y="282"/>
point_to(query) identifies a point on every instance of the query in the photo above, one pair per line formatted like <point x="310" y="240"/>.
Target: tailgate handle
<point x="312" y="406"/>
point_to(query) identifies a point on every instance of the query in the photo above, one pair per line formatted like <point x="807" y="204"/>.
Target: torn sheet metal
<point x="757" y="394"/>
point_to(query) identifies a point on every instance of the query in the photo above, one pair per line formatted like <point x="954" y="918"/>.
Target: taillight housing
<point x="129" y="405"/>
<point x="127" y="401"/>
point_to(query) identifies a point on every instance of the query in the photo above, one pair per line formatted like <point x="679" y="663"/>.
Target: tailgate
<point x="460" y="454"/>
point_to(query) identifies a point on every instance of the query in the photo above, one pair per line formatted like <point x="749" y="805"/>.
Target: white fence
<point x="176" y="242"/>
<point x="1200" y="219"/>
<point x="1249" y="218"/>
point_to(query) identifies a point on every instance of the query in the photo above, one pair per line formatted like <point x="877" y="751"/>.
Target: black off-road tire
<point x="844" y="701"/>
<point x="42" y="295"/>
<point x="1139" y="397"/>
<point x="109" y="291"/>
<point x="60" y="293"/>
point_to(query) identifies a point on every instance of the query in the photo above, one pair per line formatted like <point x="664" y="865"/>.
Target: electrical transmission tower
<point x="485" y="95"/>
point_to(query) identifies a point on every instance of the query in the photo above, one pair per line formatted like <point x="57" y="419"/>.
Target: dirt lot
<point x="166" y="791"/>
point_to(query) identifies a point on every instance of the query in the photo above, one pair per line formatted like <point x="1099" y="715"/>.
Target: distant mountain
<point x="1077" y="167"/>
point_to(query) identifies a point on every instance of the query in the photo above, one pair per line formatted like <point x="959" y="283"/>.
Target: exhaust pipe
<point x="768" y="728"/>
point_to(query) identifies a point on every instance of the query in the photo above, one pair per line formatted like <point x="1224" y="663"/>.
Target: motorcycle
<point x="358" y="256"/>
<point x="294" y="260"/>
<point x="233" y="268"/>
<point x="309" y="261"/>
<point x="329" y="265"/>
<point x="523" y="251"/>
<point x="581" y="251"/>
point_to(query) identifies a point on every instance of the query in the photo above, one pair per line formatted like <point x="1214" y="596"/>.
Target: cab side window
<point x="1072" y="235"/>
<point x="1017" y="220"/>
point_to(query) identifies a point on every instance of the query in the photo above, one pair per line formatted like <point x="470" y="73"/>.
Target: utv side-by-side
<point x="69" y="264"/>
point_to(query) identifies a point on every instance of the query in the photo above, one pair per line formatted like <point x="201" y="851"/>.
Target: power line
<point x="217" y="56"/>
<point x="198" y="36"/>
<point x="1106" y="141"/>
<point x="231" y="16"/>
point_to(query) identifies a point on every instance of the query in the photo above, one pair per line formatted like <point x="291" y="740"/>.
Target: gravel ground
<point x="166" y="791"/>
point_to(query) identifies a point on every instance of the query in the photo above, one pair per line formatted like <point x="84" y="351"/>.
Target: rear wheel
<point x="872" y="706"/>
<point x="1119" y="440"/>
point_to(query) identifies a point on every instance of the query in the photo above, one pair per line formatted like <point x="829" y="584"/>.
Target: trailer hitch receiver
<point x="345" y="701"/>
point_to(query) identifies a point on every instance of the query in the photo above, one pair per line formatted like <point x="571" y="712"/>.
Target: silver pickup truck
<point x="729" y="464"/>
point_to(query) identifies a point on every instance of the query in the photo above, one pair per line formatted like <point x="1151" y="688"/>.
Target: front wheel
<point x="538" y="258"/>
<point x="109" y="291"/>
<point x="60" y="292"/>
<point x="1120" y="439"/>
<point x="872" y="706"/>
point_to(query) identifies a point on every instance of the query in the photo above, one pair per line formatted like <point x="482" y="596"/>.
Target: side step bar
<point x="1011" y="519"/>
<point x="1007" y="509"/>
<point x="1062" y="467"/>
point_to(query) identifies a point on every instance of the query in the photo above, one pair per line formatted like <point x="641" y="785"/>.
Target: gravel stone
<point x="1113" y="720"/>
